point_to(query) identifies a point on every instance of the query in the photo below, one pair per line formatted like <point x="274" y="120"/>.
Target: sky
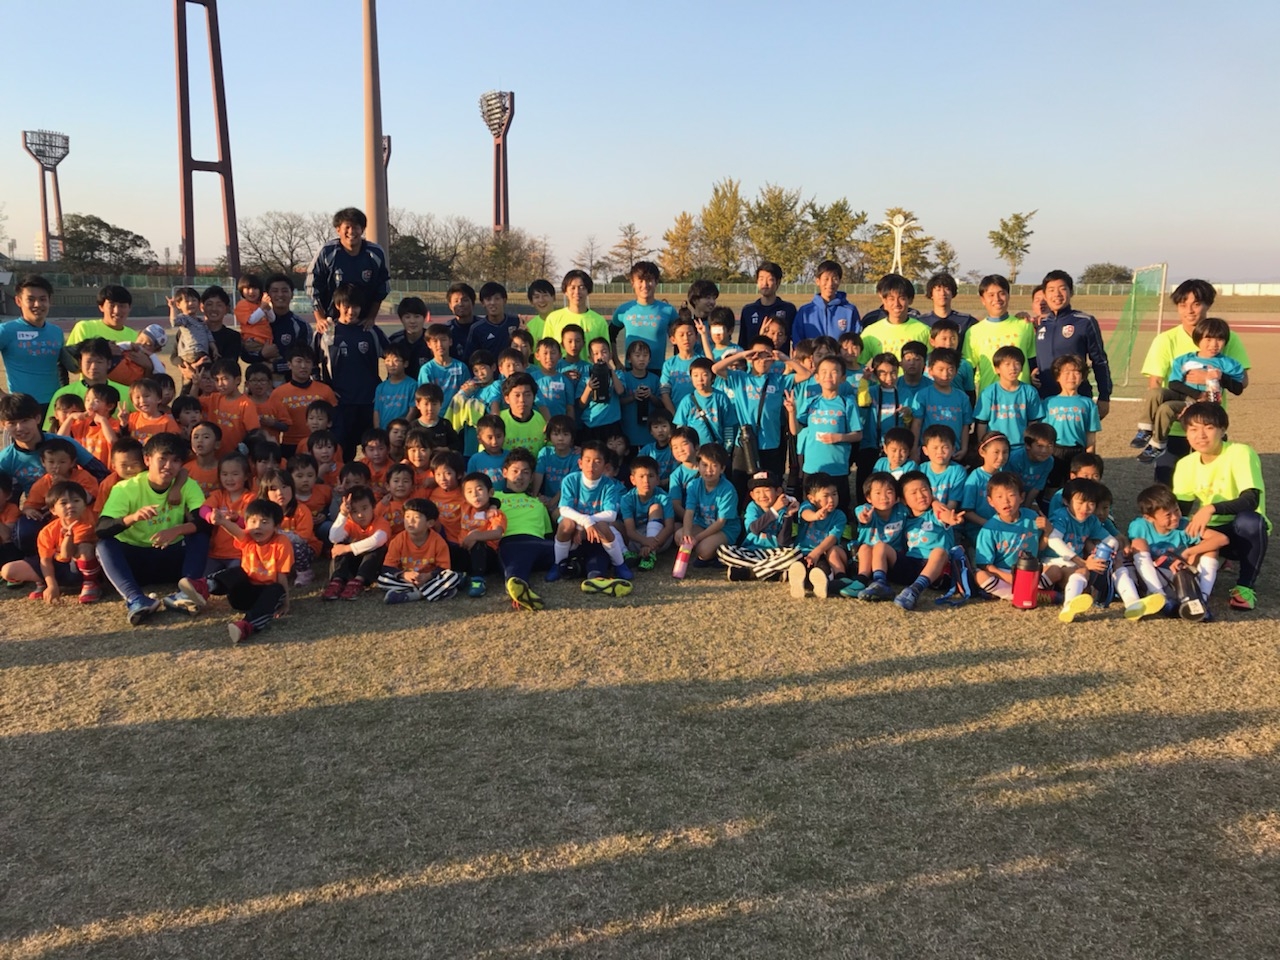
<point x="1141" y="132"/>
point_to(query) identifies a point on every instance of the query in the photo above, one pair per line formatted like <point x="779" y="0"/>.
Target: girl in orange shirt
<point x="232" y="497"/>
<point x="297" y="523"/>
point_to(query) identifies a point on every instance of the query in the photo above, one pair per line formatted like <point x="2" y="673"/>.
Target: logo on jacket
<point x="842" y="323"/>
<point x="1069" y="331"/>
<point x="366" y="276"/>
<point x="363" y="346"/>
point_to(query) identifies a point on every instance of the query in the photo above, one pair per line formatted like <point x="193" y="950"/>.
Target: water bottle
<point x="1106" y="549"/>
<point x="1186" y="594"/>
<point x="682" y="559"/>
<point x="1026" y="582"/>
<point x="1213" y="387"/>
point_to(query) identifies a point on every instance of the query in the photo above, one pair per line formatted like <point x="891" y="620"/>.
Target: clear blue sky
<point x="1142" y="131"/>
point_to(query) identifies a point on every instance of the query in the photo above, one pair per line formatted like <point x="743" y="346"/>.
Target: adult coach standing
<point x="768" y="280"/>
<point x="30" y="345"/>
<point x="348" y="258"/>
<point x="1069" y="331"/>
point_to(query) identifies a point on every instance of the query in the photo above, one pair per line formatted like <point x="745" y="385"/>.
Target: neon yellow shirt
<point x="985" y="337"/>
<point x="592" y="324"/>
<point x="1236" y="469"/>
<point x="886" y="337"/>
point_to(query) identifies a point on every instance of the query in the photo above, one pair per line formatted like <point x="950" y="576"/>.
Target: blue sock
<point x="921" y="584"/>
<point x="880" y="577"/>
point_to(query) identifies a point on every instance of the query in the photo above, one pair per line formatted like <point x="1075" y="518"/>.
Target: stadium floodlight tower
<point x="48" y="149"/>
<point x="497" y="107"/>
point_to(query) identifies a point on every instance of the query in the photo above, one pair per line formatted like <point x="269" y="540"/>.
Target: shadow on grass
<point x="807" y="815"/>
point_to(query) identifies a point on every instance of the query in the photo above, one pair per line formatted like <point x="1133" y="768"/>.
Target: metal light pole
<point x="377" y="152"/>
<point x="48" y="149"/>
<point x="498" y="107"/>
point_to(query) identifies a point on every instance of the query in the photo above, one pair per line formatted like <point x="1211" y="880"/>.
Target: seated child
<point x="648" y="520"/>
<point x="483" y="525"/>
<point x="993" y="450"/>
<point x="684" y="450"/>
<point x="233" y="495"/>
<point x="66" y="548"/>
<point x="1033" y="460"/>
<point x="945" y="477"/>
<point x="882" y="523"/>
<point x="525" y="546"/>
<point x="126" y="461"/>
<point x="766" y="551"/>
<point x="589" y="503"/>
<point x="417" y="564"/>
<point x="58" y="458"/>
<point x="375" y="446"/>
<point x="1011" y="531"/>
<point x="898" y="444"/>
<point x="822" y="560"/>
<point x="417" y="454"/>
<point x="447" y="469"/>
<point x="400" y="491"/>
<point x="711" y="517"/>
<point x="1160" y="544"/>
<point x="359" y="542"/>
<point x="307" y="491"/>
<point x="930" y="544"/>
<point x="296" y="522"/>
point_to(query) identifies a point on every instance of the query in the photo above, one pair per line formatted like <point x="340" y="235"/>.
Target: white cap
<point x="156" y="333"/>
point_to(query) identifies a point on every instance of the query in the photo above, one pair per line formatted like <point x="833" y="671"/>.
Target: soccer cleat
<point x="1150" y="454"/>
<point x="35" y="595"/>
<point x="332" y="590"/>
<point x="609" y="586"/>
<point x="195" y="590"/>
<point x="477" y="587"/>
<point x="522" y="595"/>
<point x="553" y="574"/>
<point x="649" y="562"/>
<point x="138" y="610"/>
<point x="1242" y="598"/>
<point x="797" y="574"/>
<point x="90" y="592"/>
<point x="877" y="590"/>
<point x="1146" y="607"/>
<point x="907" y="598"/>
<point x="854" y="588"/>
<point x="304" y="578"/>
<point x="1048" y="598"/>
<point x="239" y="630"/>
<point x="180" y="602"/>
<point x="1075" y="606"/>
<point x="403" y="595"/>
<point x="15" y="584"/>
<point x="819" y="580"/>
<point x="1140" y="439"/>
<point x="623" y="572"/>
<point x="353" y="589"/>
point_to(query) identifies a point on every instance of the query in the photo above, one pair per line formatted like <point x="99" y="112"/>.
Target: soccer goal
<point x="1144" y="306"/>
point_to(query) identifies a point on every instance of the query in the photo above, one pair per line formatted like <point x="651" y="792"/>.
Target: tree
<point x="778" y="230"/>
<point x="677" y="259"/>
<point x="945" y="258"/>
<point x="279" y="241"/>
<point x="1012" y="241"/>
<point x="721" y="229"/>
<point x="91" y="245"/>
<point x="834" y="236"/>
<point x="591" y="258"/>
<point x="878" y="248"/>
<point x="1105" y="273"/>
<point x="632" y="246"/>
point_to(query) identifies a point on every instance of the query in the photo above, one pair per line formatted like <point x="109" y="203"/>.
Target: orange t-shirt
<point x="392" y="511"/>
<point x="207" y="478"/>
<point x="378" y="476"/>
<point x="318" y="502"/>
<point x="236" y="417"/>
<point x="490" y="518"/>
<point x="274" y="409"/>
<point x="295" y="400"/>
<point x="222" y="546"/>
<point x="450" y="503"/>
<point x="302" y="523"/>
<point x="39" y="492"/>
<point x="336" y="464"/>
<point x="265" y="563"/>
<point x="89" y="434"/>
<point x="10" y="513"/>
<point x="260" y="331"/>
<point x="144" y="428"/>
<point x="128" y="371"/>
<point x="353" y="532"/>
<point x="405" y="556"/>
<point x="49" y="539"/>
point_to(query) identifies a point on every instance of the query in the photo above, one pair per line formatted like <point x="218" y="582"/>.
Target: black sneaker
<point x="1150" y="454"/>
<point x="1140" y="439"/>
<point x="738" y="574"/>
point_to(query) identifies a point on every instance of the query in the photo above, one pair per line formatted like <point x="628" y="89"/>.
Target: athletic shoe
<point x="649" y="562"/>
<point x="623" y="572"/>
<point x="353" y="589"/>
<point x="797" y="574"/>
<point x="138" y="610"/>
<point x="196" y="590"/>
<point x="522" y="595"/>
<point x="1150" y="454"/>
<point x="1076" y="606"/>
<point x="1049" y="598"/>
<point x="819" y="580"/>
<point x="15" y="584"/>
<point x="304" y="578"/>
<point x="573" y="568"/>
<point x="1242" y="598"/>
<point x="738" y="574"/>
<point x="90" y="592"/>
<point x="477" y="587"/>
<point x="630" y="557"/>
<point x="332" y="590"/>
<point x="1140" y="439"/>
<point x="36" y="595"/>
<point x="180" y="602"/>
<point x="877" y="590"/>
<point x="609" y="586"/>
<point x="907" y="598"/>
<point x="239" y="630"/>
<point x="403" y="595"/>
<point x="854" y="588"/>
<point x="1146" y="607"/>
<point x="553" y="574"/>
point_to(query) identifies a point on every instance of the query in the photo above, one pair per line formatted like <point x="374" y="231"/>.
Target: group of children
<point x="535" y="451"/>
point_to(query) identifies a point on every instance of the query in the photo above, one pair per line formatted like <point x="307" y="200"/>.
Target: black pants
<point x="1248" y="535"/>
<point x="1175" y="451"/>
<point x="350" y="421"/>
<point x="259" y="602"/>
<point x="366" y="566"/>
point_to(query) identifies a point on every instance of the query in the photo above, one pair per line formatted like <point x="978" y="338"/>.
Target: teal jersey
<point x="604" y="497"/>
<point x="828" y="415"/>
<point x="1034" y="475"/>
<point x="637" y="510"/>
<point x="1075" y="533"/>
<point x="637" y="432"/>
<point x="1072" y="419"/>
<point x="708" y="506"/>
<point x="490" y="464"/>
<point x="999" y="544"/>
<point x="768" y="537"/>
<point x="1162" y="544"/>
<point x="952" y="409"/>
<point x="927" y="533"/>
<point x="554" y="468"/>
<point x="948" y="486"/>
<point x="681" y="477"/>
<point x="874" y="528"/>
<point x="554" y="392"/>
<point x="675" y="378"/>
<point x="666" y="459"/>
<point x="813" y="532"/>
<point x="1009" y="411"/>
<point x="707" y="415"/>
<point x="882" y="466"/>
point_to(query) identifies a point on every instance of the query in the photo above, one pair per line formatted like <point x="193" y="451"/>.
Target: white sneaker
<point x="304" y="578"/>
<point x="797" y="574"/>
<point x="819" y="580"/>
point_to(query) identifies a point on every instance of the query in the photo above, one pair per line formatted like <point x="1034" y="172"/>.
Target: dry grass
<point x="701" y="769"/>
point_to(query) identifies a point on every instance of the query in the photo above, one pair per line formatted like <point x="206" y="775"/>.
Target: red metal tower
<point x="497" y="107"/>
<point x="48" y="149"/>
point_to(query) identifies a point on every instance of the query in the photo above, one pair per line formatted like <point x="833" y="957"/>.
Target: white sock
<point x="614" y="550"/>
<point x="1146" y="568"/>
<point x="1207" y="574"/>
<point x="1077" y="583"/>
<point x="1147" y="427"/>
<point x="561" y="549"/>
<point x="653" y="528"/>
<point x="1128" y="590"/>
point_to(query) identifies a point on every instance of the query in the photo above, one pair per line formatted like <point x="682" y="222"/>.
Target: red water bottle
<point x="682" y="559"/>
<point x="1026" y="582"/>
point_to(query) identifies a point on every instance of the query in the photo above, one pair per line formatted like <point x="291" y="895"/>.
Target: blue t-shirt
<point x="1075" y="532"/>
<point x="1034" y="475"/>
<point x="25" y="468"/>
<point x="768" y="537"/>
<point x="675" y="378"/>
<point x="393" y="400"/>
<point x="1161" y="544"/>
<point x="31" y="357"/>
<point x="1191" y="361"/>
<point x="707" y="415"/>
<point x="882" y="466"/>
<point x="554" y="392"/>
<point x="1009" y="411"/>
<point x="490" y="464"/>
<point x="813" y="532"/>
<point x="680" y="478"/>
<point x="1072" y="418"/>
<point x="746" y="387"/>
<point x="666" y="459"/>
<point x="999" y="544"/>
<point x="964" y="378"/>
<point x="953" y="409"/>
<point x="708" y="506"/>
<point x="948" y="485"/>
<point x="927" y="533"/>
<point x="647" y="323"/>
<point x="637" y="510"/>
<point x="554" y="468"/>
<point x="637" y="432"/>
<point x="447" y="377"/>
<point x="605" y="496"/>
<point x="890" y="530"/>
<point x="828" y="415"/>
<point x="601" y="414"/>
<point x="973" y="500"/>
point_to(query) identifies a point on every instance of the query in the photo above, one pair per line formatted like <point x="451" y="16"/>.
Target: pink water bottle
<point x="682" y="559"/>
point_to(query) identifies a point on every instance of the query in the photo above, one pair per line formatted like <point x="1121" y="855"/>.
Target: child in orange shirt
<point x="126" y="462"/>
<point x="417" y="453"/>
<point x="297" y="524"/>
<point x="323" y="445"/>
<point x="376" y="447"/>
<point x="359" y="541"/>
<point x="9" y="514"/>
<point x="447" y="468"/>
<point x="417" y="563"/>
<point x="148" y="419"/>
<point x="399" y="490"/>
<point x="272" y="415"/>
<point x="253" y="314"/>
<point x="203" y="465"/>
<point x="97" y="428"/>
<point x="231" y="499"/>
<point x="58" y="457"/>
<point x="231" y="410"/>
<point x="66" y="548"/>
<point x="259" y="586"/>
<point x="315" y="496"/>
<point x="483" y="525"/>
<point x="299" y="392"/>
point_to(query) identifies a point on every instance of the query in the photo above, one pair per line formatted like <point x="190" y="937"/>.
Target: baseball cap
<point x="156" y="333"/>
<point x="763" y="479"/>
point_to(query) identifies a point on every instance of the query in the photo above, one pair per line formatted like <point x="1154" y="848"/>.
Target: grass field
<point x="702" y="769"/>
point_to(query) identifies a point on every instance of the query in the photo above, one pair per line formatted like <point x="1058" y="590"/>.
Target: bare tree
<point x="632" y="246"/>
<point x="278" y="241"/>
<point x="591" y="258"/>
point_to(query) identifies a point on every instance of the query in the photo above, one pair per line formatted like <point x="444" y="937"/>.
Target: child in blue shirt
<point x="675" y="385"/>
<point x="881" y="535"/>
<point x="660" y="447"/>
<point x="766" y="550"/>
<point x="941" y="401"/>
<point x="589" y="504"/>
<point x="928" y="537"/>
<point x="574" y="368"/>
<point x="833" y="425"/>
<point x="823" y="562"/>
<point x="993" y="449"/>
<point x="640" y="401"/>
<point x="703" y="409"/>
<point x="945" y="334"/>
<point x="1074" y="418"/>
<point x="555" y="394"/>
<point x="882" y="411"/>
<point x="716" y="334"/>
<point x="393" y="397"/>
<point x="684" y="448"/>
<point x="1008" y="405"/>
<point x="599" y="397"/>
<point x="1160" y="544"/>
<point x="1033" y="461"/>
<point x="555" y="461"/>
<point x="898" y="444"/>
<point x="491" y="434"/>
<point x="1010" y="532"/>
<point x="945" y="477"/>
<point x="442" y="369"/>
<point x="711" y="517"/>
<point x="648" y="520"/>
